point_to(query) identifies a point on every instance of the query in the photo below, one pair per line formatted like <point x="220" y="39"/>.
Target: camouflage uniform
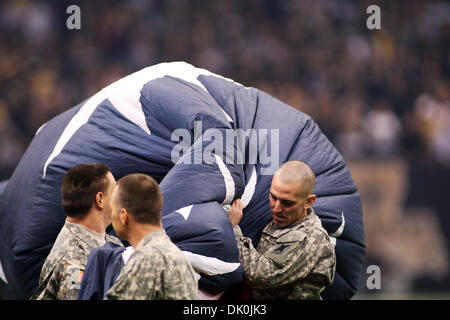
<point x="156" y="270"/>
<point x="295" y="262"/>
<point x="63" y="269"/>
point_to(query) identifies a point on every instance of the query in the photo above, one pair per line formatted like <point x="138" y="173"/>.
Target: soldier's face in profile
<point x="115" y="215"/>
<point x="287" y="207"/>
<point x="107" y="197"/>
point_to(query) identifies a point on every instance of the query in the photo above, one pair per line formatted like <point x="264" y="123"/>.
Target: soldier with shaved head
<point x="294" y="258"/>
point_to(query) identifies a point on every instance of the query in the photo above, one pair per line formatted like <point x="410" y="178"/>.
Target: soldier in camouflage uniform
<point x="86" y="192"/>
<point x="294" y="258"/>
<point x="157" y="269"/>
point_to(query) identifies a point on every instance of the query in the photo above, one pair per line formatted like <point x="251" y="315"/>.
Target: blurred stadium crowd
<point x="381" y="92"/>
<point x="375" y="93"/>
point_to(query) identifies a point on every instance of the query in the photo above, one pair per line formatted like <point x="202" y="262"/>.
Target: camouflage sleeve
<point x="64" y="284"/>
<point x="47" y="290"/>
<point x="71" y="283"/>
<point x="114" y="239"/>
<point x="282" y="264"/>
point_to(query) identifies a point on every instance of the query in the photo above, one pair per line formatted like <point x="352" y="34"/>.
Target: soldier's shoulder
<point x="318" y="234"/>
<point x="169" y="254"/>
<point x="295" y="235"/>
<point x="165" y="246"/>
<point x="66" y="240"/>
<point x="146" y="256"/>
<point x="314" y="227"/>
<point x="69" y="252"/>
<point x="114" y="239"/>
<point x="310" y="233"/>
<point x="61" y="248"/>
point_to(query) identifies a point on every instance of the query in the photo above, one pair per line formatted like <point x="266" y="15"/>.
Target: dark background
<point x="379" y="95"/>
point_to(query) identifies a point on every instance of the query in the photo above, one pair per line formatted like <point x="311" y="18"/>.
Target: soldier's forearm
<point x="260" y="271"/>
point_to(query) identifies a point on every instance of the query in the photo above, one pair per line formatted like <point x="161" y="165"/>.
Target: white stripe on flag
<point x="340" y="229"/>
<point x="228" y="179"/>
<point x="249" y="189"/>
<point x="209" y="265"/>
<point x="2" y="274"/>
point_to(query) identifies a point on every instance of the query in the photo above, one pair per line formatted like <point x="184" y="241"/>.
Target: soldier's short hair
<point x="140" y="195"/>
<point x="298" y="173"/>
<point x="80" y="186"/>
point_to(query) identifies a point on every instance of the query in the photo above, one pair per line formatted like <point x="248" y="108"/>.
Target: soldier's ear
<point x="99" y="200"/>
<point x="124" y="216"/>
<point x="310" y="200"/>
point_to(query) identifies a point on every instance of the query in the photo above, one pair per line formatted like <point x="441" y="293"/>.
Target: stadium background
<point x="381" y="96"/>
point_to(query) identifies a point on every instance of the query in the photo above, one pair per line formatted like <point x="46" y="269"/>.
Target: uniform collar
<point x="90" y="239"/>
<point x="151" y="236"/>
<point x="311" y="219"/>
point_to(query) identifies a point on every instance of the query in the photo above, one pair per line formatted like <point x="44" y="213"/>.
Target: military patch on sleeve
<point x="280" y="253"/>
<point x="281" y="248"/>
<point x="75" y="278"/>
<point x="80" y="276"/>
